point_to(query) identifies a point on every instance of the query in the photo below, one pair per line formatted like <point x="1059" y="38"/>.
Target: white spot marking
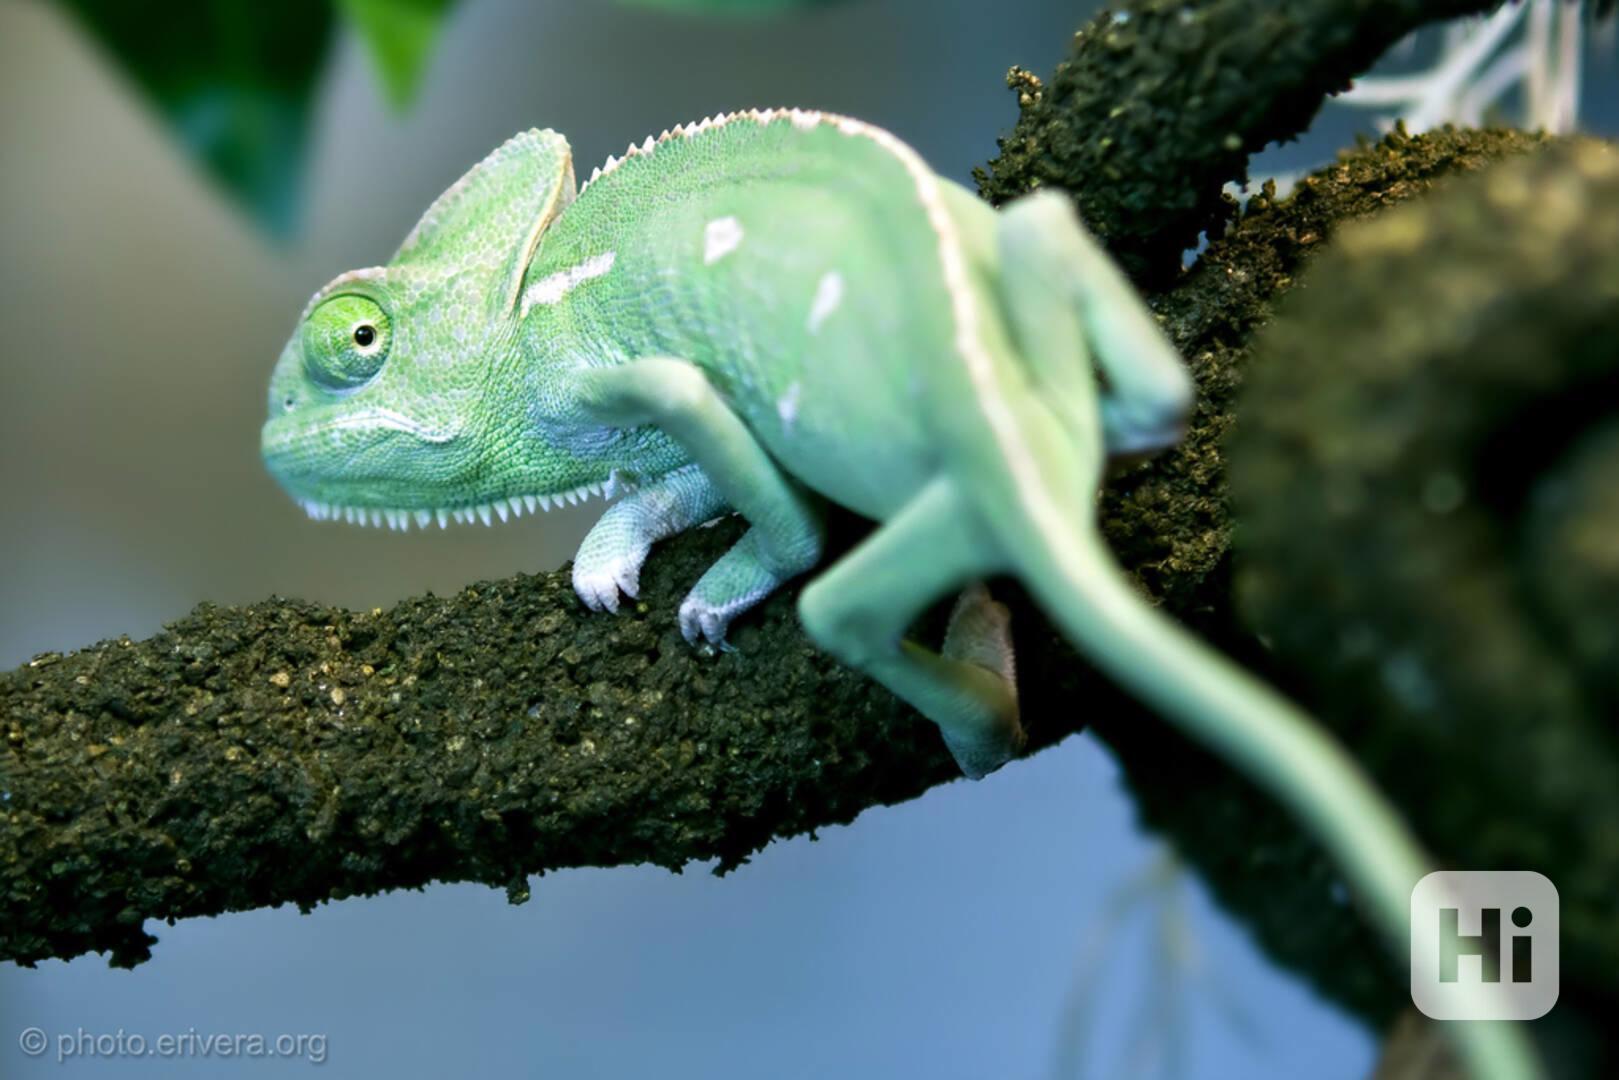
<point x="553" y="287"/>
<point x="720" y="238"/>
<point x="787" y="405"/>
<point x="828" y="295"/>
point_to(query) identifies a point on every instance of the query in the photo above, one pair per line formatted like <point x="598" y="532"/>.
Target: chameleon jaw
<point x="504" y="509"/>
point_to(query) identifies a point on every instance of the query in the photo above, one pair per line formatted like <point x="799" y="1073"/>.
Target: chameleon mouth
<point x="504" y="509"/>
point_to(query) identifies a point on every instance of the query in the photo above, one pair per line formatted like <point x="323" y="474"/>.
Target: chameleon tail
<point x="1259" y="732"/>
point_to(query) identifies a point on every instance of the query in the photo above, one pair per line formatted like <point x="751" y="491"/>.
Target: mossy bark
<point x="1160" y="103"/>
<point x="1424" y="467"/>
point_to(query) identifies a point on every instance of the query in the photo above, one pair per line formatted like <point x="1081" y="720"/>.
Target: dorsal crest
<point x="490" y="222"/>
<point x="803" y="119"/>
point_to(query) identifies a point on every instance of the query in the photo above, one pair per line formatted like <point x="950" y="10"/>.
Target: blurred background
<point x="1019" y="927"/>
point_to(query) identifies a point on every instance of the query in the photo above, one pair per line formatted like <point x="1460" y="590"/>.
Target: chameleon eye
<point x="345" y="341"/>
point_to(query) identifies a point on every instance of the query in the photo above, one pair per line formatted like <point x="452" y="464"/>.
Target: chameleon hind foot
<point x="861" y="607"/>
<point x="980" y="633"/>
<point x="1069" y="305"/>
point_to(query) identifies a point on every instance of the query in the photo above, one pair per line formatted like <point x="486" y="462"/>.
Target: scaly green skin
<point x="761" y="312"/>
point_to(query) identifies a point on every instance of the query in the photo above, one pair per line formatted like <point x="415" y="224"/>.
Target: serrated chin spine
<point x="504" y="509"/>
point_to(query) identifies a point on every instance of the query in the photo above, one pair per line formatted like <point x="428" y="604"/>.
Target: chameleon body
<point x="763" y="312"/>
<point x="758" y="312"/>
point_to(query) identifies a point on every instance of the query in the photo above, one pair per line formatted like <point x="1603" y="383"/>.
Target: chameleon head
<point x="372" y="405"/>
<point x="401" y="394"/>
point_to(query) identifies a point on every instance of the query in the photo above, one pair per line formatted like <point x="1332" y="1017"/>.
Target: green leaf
<point x="399" y="34"/>
<point x="233" y="80"/>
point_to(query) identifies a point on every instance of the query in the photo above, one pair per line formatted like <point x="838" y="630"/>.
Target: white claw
<point x="599" y="582"/>
<point x="699" y="620"/>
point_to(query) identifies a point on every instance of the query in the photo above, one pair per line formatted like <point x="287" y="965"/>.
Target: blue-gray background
<point x="139" y="316"/>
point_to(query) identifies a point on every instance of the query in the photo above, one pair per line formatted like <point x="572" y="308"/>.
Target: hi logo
<point x="1484" y="945"/>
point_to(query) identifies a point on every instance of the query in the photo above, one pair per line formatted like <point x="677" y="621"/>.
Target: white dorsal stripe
<point x="980" y="366"/>
<point x="553" y="287"/>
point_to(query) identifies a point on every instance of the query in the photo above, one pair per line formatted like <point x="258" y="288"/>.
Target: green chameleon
<point x="763" y="312"/>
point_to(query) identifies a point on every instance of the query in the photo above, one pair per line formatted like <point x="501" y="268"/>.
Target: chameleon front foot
<point x="599" y="580"/>
<point x="610" y="558"/>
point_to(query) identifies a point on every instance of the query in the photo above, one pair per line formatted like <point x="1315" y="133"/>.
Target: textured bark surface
<point x="1160" y="103"/>
<point x="1437" y="411"/>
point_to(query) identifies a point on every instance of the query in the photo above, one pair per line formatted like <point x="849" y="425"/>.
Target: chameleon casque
<point x="762" y="312"/>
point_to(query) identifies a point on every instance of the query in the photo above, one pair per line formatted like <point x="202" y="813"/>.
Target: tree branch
<point x="1157" y="106"/>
